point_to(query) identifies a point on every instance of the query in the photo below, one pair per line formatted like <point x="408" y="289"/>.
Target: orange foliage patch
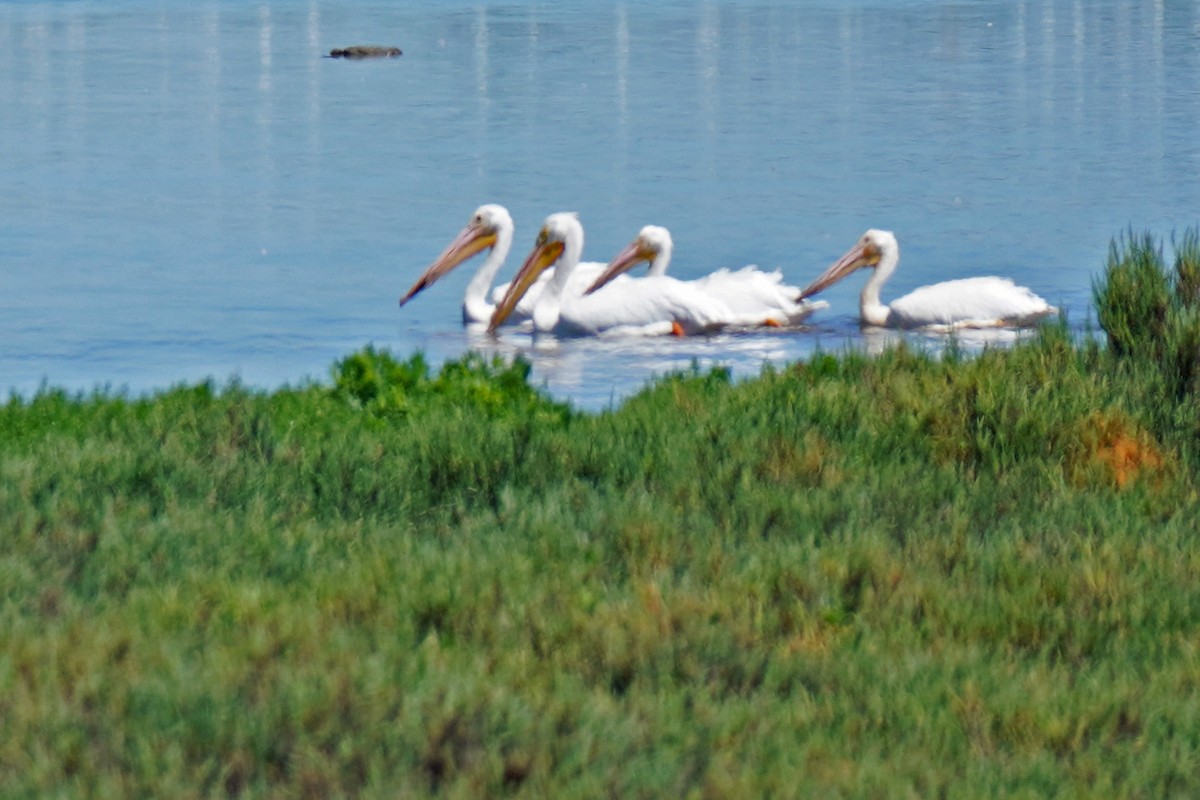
<point x="1126" y="457"/>
<point x="1124" y="453"/>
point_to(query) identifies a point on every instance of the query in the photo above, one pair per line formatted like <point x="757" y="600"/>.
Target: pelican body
<point x="751" y="295"/>
<point x="650" y="306"/>
<point x="983" y="302"/>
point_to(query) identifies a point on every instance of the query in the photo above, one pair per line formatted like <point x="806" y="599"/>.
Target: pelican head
<point x="651" y="244"/>
<point x="876" y="247"/>
<point x="559" y="232"/>
<point x="488" y="224"/>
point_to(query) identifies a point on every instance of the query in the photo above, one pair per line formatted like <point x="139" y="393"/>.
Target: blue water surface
<point x="192" y="191"/>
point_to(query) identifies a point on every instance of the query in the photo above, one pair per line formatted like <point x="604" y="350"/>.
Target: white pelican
<point x="750" y="293"/>
<point x="986" y="302"/>
<point x="491" y="226"/>
<point x="650" y="306"/>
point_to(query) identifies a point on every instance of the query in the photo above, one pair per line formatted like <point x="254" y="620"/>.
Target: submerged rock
<point x="364" y="51"/>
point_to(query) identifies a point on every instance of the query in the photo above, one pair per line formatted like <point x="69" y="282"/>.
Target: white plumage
<point x="651" y="306"/>
<point x="752" y="297"/>
<point x="984" y="302"/>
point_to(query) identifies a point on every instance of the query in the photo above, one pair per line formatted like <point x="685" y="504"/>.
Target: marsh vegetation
<point x="892" y="575"/>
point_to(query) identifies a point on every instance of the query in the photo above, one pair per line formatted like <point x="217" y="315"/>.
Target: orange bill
<point x="470" y="240"/>
<point x="631" y="256"/>
<point x="544" y="254"/>
<point x="863" y="254"/>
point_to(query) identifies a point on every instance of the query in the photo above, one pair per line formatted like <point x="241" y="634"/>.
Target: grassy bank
<point x="895" y="575"/>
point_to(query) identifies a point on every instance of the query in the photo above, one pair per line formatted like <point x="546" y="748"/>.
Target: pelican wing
<point x="647" y="305"/>
<point x="981" y="302"/>
<point x="756" y="296"/>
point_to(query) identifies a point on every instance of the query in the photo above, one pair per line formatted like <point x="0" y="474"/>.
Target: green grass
<point x="861" y="576"/>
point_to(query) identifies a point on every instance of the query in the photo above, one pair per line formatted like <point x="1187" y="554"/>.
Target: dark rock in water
<point x="364" y="51"/>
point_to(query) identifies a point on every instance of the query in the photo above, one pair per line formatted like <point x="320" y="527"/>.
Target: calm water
<point x="190" y="190"/>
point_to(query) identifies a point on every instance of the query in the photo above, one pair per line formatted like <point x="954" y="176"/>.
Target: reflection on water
<point x="192" y="190"/>
<point x="595" y="373"/>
